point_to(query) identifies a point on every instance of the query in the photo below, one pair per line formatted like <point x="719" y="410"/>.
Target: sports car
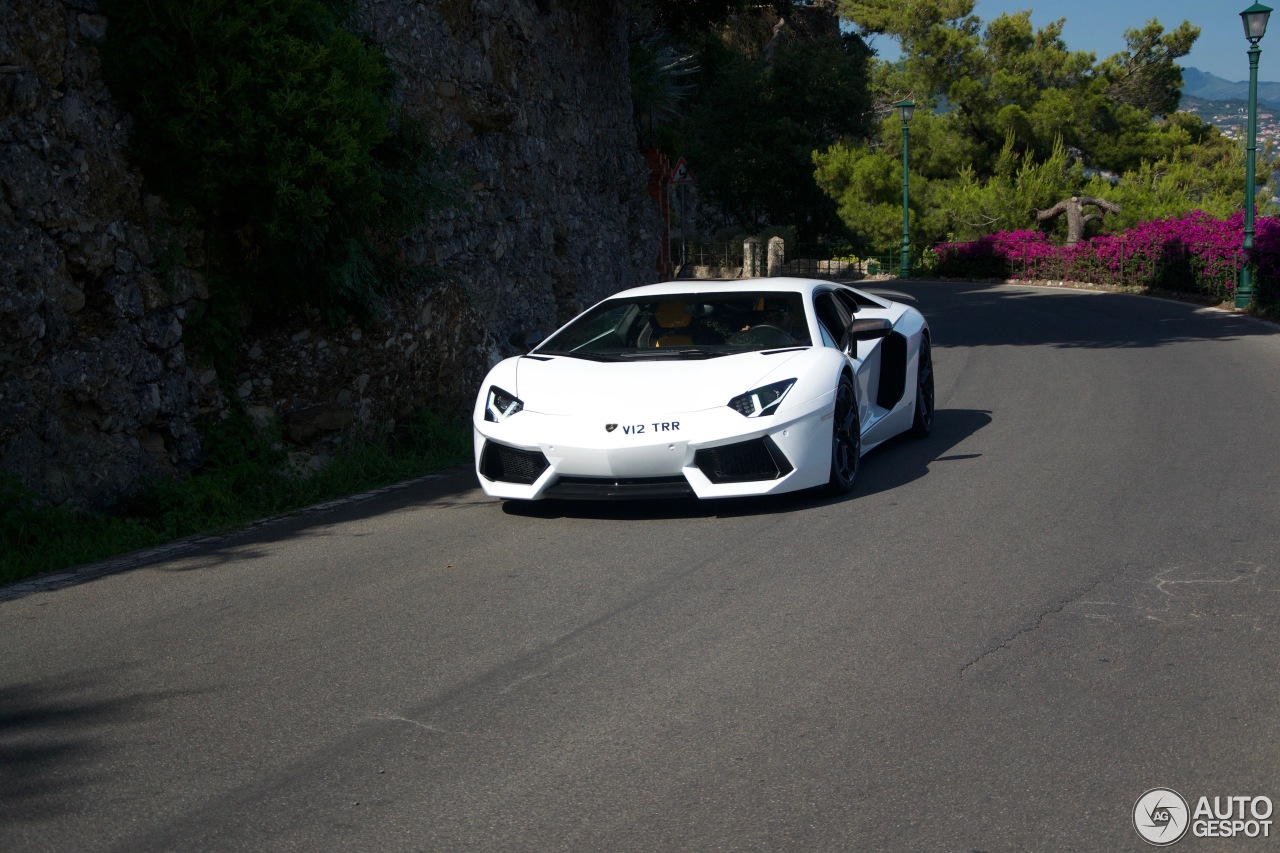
<point x="706" y="389"/>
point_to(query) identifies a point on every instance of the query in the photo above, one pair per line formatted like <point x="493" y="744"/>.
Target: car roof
<point x="756" y="285"/>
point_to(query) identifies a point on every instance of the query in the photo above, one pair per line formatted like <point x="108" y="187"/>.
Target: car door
<point x="863" y="356"/>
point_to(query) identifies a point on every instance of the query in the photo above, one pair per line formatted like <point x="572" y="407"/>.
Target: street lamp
<point x="1255" y="27"/>
<point x="905" y="109"/>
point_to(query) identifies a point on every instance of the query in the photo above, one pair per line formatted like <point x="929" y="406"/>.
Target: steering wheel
<point x="763" y="336"/>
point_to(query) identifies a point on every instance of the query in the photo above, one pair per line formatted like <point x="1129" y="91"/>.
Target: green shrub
<point x="36" y="538"/>
<point x="277" y="125"/>
<point x="245" y="476"/>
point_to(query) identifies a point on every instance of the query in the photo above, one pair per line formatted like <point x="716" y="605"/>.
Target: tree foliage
<point x="685" y="18"/>
<point x="765" y="101"/>
<point x="1147" y="75"/>
<point x="277" y="126"/>
<point x="1010" y="121"/>
<point x="662" y="80"/>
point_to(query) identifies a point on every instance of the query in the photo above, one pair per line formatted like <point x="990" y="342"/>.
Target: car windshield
<point x="684" y="326"/>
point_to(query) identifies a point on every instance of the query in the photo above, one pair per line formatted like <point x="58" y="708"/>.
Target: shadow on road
<point x="50" y="739"/>
<point x="903" y="460"/>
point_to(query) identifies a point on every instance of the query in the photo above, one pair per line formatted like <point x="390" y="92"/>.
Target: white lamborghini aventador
<point x="707" y="389"/>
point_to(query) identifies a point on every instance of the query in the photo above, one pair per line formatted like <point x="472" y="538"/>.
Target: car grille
<point x="511" y="464"/>
<point x="609" y="488"/>
<point x="757" y="459"/>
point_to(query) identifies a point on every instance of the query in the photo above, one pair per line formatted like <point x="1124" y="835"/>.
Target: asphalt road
<point x="1068" y="595"/>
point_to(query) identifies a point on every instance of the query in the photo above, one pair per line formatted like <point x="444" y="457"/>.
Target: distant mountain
<point x="1210" y="87"/>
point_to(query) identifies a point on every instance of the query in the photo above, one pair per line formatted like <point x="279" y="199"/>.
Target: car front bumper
<point x="709" y="454"/>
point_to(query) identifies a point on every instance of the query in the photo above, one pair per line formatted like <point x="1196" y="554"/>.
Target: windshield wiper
<point x="588" y="356"/>
<point x="675" y="352"/>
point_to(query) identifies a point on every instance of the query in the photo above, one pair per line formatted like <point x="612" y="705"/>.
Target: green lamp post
<point x="905" y="109"/>
<point x="1255" y="27"/>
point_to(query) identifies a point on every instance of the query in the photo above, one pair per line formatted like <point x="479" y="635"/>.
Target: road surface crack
<point x="421" y="725"/>
<point x="1052" y="609"/>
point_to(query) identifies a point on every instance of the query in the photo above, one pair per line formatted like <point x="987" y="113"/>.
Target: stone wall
<point x="100" y="391"/>
<point x="533" y="96"/>
<point x="94" y="386"/>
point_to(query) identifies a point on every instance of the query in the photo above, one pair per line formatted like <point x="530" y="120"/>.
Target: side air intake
<point x="510" y="464"/>
<point x="744" y="462"/>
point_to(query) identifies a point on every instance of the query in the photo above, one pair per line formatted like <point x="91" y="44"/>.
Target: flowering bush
<point x="1196" y="253"/>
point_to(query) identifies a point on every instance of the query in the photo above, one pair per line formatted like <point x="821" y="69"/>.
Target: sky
<point x="1099" y="25"/>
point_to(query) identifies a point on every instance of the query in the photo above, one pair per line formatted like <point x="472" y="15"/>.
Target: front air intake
<point x="620" y="488"/>
<point x="757" y="459"/>
<point x="511" y="464"/>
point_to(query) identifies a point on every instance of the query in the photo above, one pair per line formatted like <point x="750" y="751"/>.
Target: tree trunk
<point x="1076" y="219"/>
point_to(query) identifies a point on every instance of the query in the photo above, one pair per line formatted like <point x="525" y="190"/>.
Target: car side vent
<point x="893" y="371"/>
<point x="757" y="459"/>
<point x="511" y="464"/>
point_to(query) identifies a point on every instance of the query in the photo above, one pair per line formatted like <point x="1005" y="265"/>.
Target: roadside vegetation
<point x="748" y="104"/>
<point x="1194" y="254"/>
<point x="793" y="129"/>
<point x="273" y="128"/>
<point x="246" y="476"/>
<point x="1010" y="121"/>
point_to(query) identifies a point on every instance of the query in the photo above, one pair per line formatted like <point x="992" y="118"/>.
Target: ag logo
<point x="1161" y="816"/>
<point x="610" y="427"/>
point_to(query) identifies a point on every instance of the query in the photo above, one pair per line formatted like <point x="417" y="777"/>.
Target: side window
<point x="827" y="340"/>
<point x="849" y="301"/>
<point x="833" y="319"/>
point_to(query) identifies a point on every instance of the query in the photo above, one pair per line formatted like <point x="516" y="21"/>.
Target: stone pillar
<point x="777" y="256"/>
<point x="751" y="257"/>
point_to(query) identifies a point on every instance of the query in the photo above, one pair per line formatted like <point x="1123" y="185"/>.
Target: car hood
<point x="563" y="385"/>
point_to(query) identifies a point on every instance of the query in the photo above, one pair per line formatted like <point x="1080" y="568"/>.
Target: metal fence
<point x="716" y="255"/>
<point x="810" y="260"/>
<point x="822" y="260"/>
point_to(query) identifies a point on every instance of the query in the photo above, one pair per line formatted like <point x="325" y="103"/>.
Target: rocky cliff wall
<point x="94" y="386"/>
<point x="99" y="386"/>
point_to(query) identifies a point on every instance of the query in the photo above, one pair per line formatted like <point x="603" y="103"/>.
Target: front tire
<point x="922" y="423"/>
<point x="846" y="440"/>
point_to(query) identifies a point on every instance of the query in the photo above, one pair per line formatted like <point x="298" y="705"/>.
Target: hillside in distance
<point x="1210" y="87"/>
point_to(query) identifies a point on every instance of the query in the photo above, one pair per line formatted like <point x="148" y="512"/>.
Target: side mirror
<point x="870" y="329"/>
<point x="525" y="340"/>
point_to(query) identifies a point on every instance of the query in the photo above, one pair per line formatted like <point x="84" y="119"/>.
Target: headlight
<point x="762" y="401"/>
<point x="500" y="405"/>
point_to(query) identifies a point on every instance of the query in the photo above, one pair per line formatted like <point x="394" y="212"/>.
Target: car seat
<point x="671" y="315"/>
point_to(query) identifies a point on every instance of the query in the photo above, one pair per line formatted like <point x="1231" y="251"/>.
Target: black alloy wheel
<point x="922" y="424"/>
<point x="846" y="440"/>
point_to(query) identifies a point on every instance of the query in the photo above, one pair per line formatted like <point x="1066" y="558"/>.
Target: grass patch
<point x="245" y="477"/>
